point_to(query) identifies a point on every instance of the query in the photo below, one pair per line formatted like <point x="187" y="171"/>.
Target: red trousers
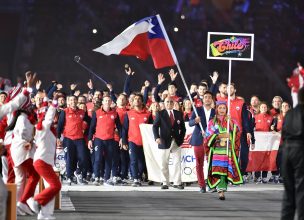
<point x="199" y="153"/>
<point x="10" y="165"/>
<point x="32" y="179"/>
<point x="47" y="173"/>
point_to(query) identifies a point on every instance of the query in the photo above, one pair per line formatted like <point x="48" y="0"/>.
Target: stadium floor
<point x="250" y="201"/>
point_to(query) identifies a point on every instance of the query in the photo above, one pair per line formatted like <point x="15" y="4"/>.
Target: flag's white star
<point x="151" y="26"/>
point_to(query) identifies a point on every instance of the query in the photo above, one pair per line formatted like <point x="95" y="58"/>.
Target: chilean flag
<point x="263" y="157"/>
<point x="142" y="39"/>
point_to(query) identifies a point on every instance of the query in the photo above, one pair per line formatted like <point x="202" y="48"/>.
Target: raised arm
<point x="129" y="73"/>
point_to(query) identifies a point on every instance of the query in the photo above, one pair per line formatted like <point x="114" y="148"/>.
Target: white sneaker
<point x="136" y="183"/>
<point x="96" y="181"/>
<point x="20" y="212"/>
<point x="47" y="211"/>
<point x="109" y="182"/>
<point x="24" y="207"/>
<point x="117" y="180"/>
<point x="45" y="216"/>
<point x="34" y="206"/>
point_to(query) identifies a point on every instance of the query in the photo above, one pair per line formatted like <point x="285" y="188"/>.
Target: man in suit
<point x="205" y="113"/>
<point x="169" y="131"/>
<point x="293" y="161"/>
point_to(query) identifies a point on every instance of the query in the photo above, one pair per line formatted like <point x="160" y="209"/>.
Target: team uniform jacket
<point x="22" y="134"/>
<point x="103" y="124"/>
<point x="263" y="122"/>
<point x="121" y="114"/>
<point x="71" y="123"/>
<point x="14" y="104"/>
<point x="274" y="112"/>
<point x="90" y="108"/>
<point x="132" y="120"/>
<point x="239" y="113"/>
<point x="45" y="139"/>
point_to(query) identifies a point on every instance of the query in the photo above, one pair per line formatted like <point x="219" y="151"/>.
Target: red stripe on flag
<point x="138" y="47"/>
<point x="186" y="144"/>
<point x="262" y="161"/>
<point x="160" y="53"/>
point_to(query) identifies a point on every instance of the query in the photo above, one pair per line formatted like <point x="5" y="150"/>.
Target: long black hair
<point x="12" y="125"/>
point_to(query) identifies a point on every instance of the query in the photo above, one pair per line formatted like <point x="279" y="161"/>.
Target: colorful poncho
<point x="221" y="164"/>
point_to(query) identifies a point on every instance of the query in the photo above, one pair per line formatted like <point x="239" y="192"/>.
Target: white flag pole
<point x="229" y="97"/>
<point x="178" y="67"/>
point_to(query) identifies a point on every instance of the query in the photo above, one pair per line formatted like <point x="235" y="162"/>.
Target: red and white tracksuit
<point x="15" y="100"/>
<point x="44" y="158"/>
<point x="23" y="158"/>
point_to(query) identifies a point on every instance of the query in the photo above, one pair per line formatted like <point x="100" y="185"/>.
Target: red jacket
<point x="134" y="119"/>
<point x="263" y="122"/>
<point x="274" y="112"/>
<point x="73" y="128"/>
<point x="198" y="102"/>
<point x="90" y="108"/>
<point x="219" y="98"/>
<point x="294" y="83"/>
<point x="280" y="119"/>
<point x="105" y="124"/>
<point x="121" y="113"/>
<point x="236" y="106"/>
<point x="176" y="98"/>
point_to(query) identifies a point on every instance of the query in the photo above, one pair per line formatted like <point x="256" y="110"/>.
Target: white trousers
<point x="20" y="179"/>
<point x="176" y="164"/>
<point x="3" y="196"/>
<point x="4" y="169"/>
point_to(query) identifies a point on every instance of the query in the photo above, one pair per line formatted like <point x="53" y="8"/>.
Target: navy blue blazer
<point x="197" y="137"/>
<point x="163" y="129"/>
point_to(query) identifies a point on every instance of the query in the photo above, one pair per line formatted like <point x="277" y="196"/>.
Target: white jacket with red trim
<point x="14" y="104"/>
<point x="45" y="139"/>
<point x="23" y="133"/>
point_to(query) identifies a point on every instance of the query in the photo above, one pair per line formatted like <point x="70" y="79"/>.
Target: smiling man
<point x="169" y="132"/>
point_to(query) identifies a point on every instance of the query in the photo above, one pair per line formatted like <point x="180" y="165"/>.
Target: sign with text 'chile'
<point x="230" y="46"/>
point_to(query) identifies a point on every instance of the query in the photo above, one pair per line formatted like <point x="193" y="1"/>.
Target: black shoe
<point x="83" y="182"/>
<point x="202" y="190"/>
<point x="178" y="186"/>
<point x="164" y="187"/>
<point x="271" y="179"/>
<point x="150" y="183"/>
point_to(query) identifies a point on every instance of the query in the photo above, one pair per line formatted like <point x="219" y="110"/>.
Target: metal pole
<point x="228" y="114"/>
<point x="178" y="67"/>
<point x="77" y="60"/>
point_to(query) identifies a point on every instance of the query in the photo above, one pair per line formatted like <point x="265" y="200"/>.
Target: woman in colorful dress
<point x="222" y="167"/>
